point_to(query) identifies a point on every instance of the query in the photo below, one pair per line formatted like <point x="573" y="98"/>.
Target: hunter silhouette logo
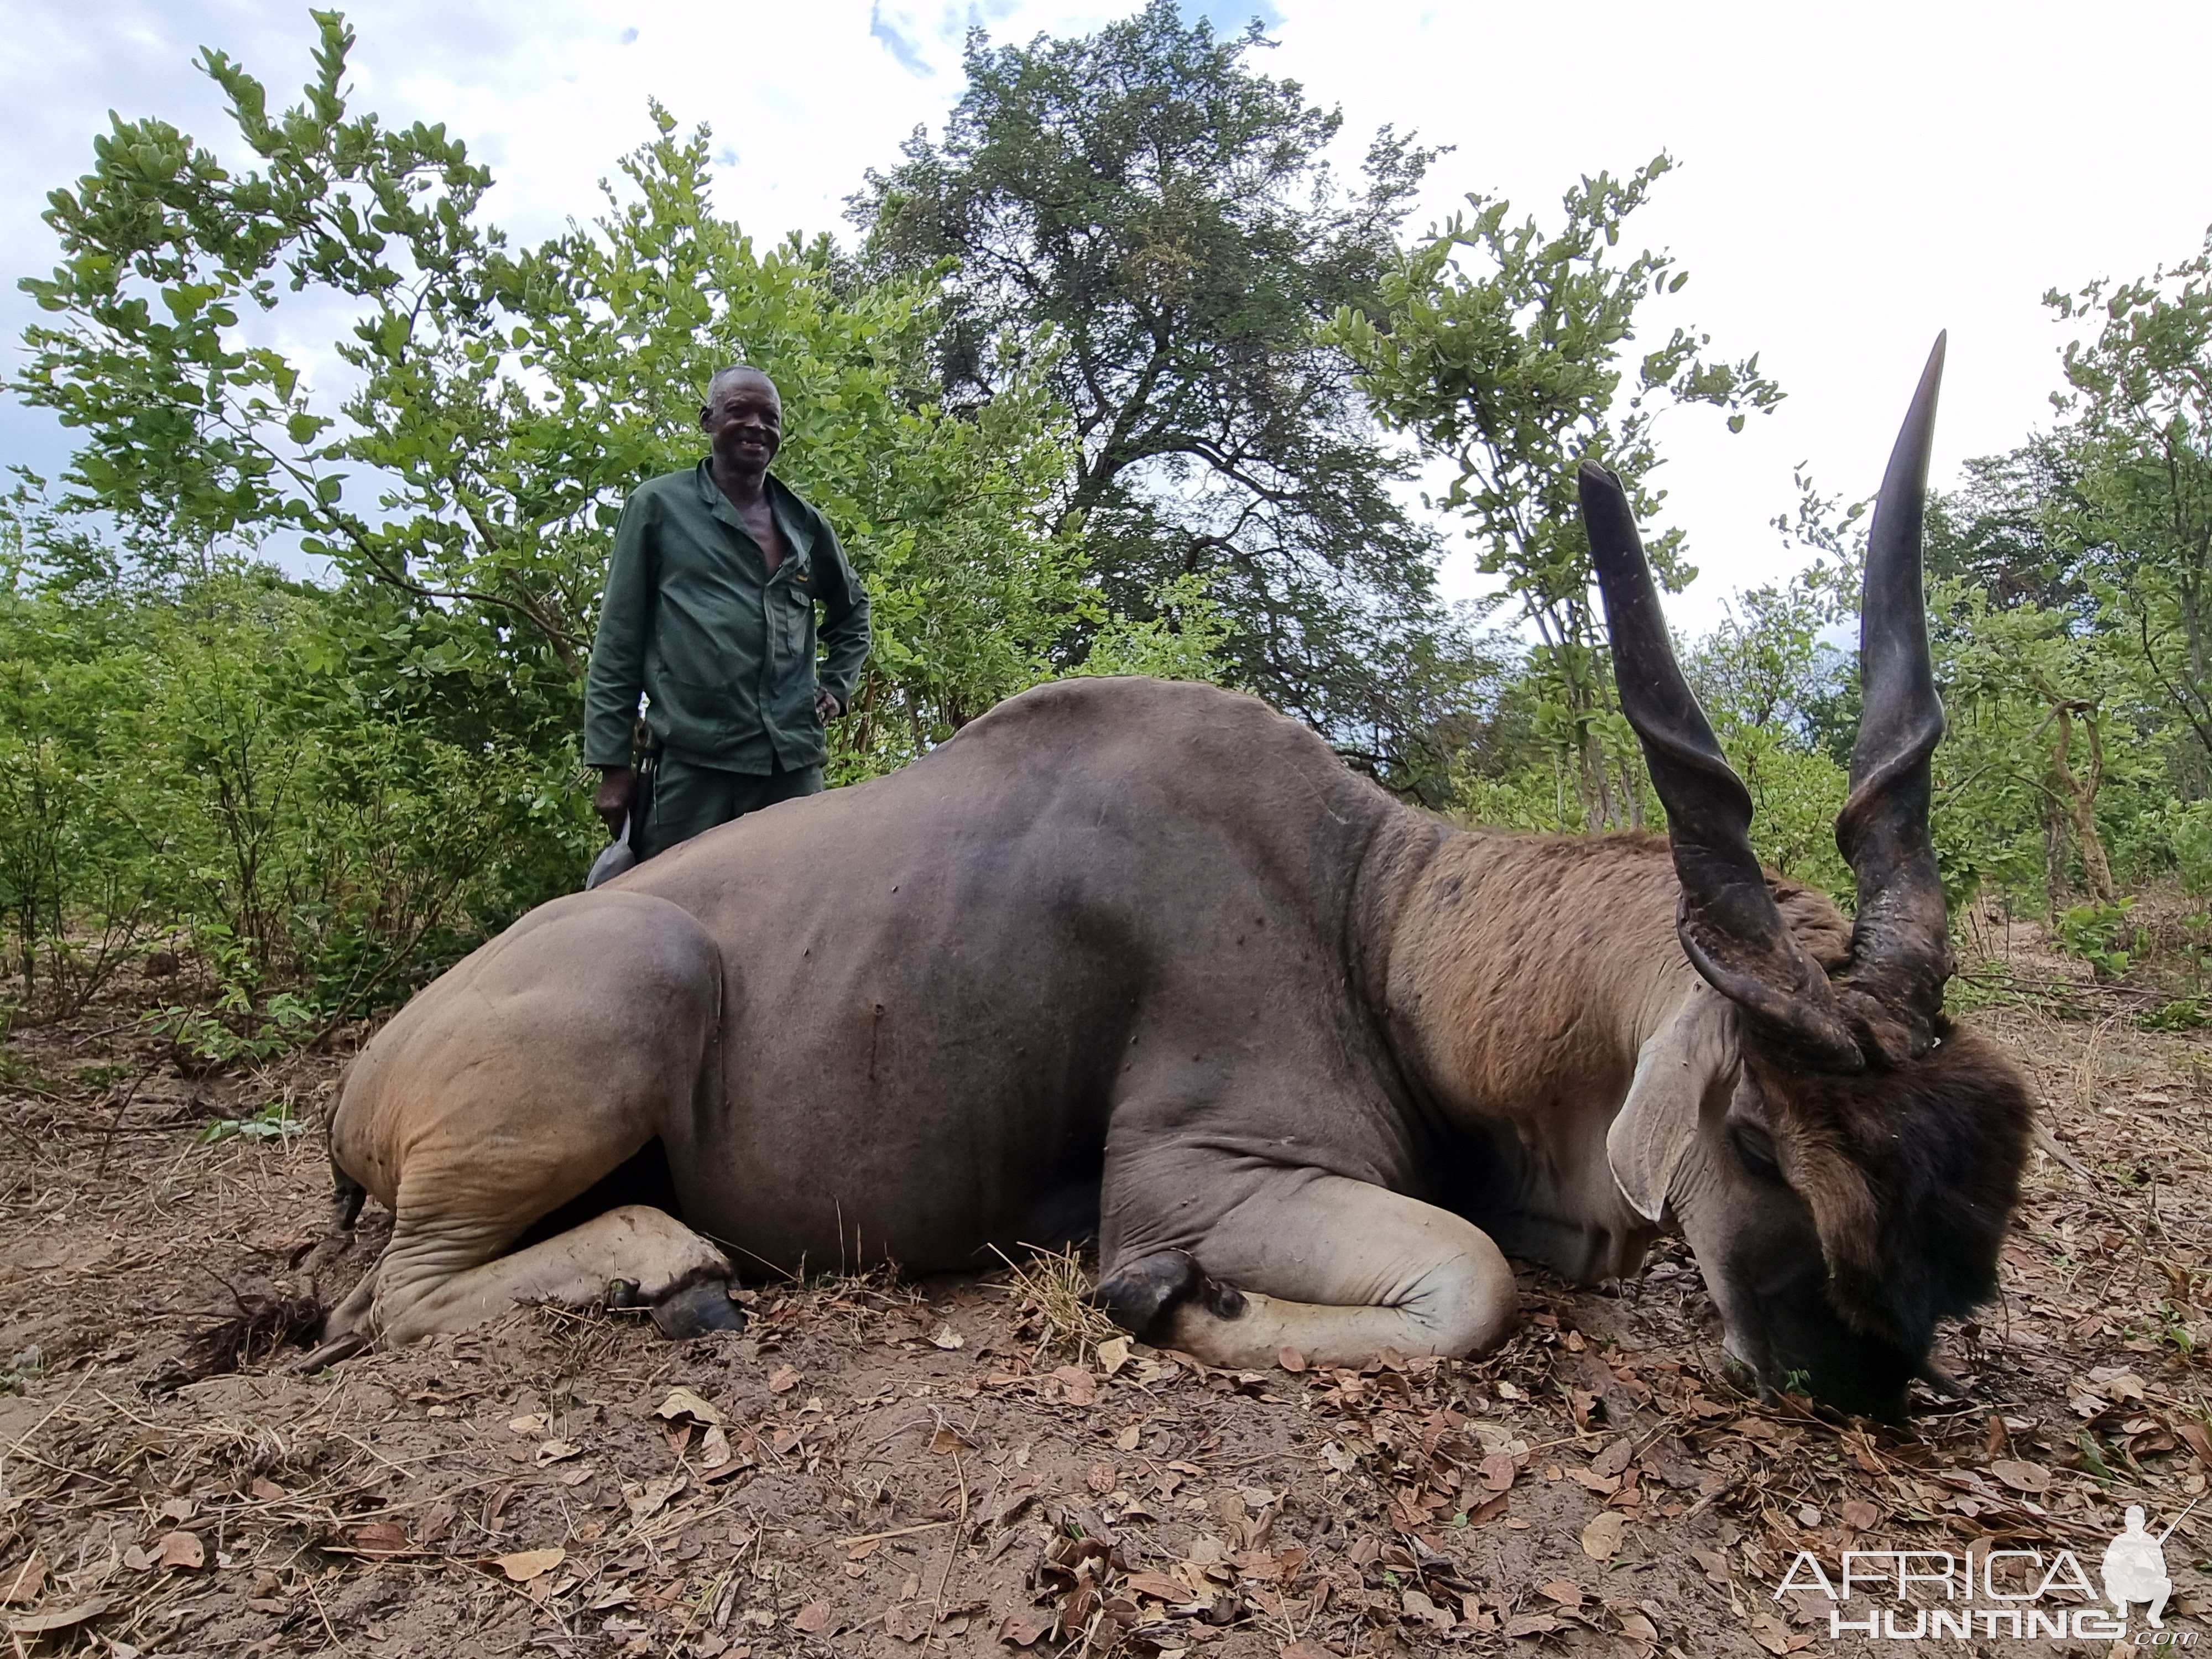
<point x="2135" y="1567"/>
<point x="1912" y="1596"/>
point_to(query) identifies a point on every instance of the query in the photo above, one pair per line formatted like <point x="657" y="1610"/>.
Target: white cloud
<point x="895" y="26"/>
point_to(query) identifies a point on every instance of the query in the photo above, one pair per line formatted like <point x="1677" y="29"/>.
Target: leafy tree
<point x="2007" y="528"/>
<point x="1072" y="412"/>
<point x="2139" y="418"/>
<point x="501" y="403"/>
<point x="1769" y="680"/>
<point x="248" y="762"/>
<point x="330" y="790"/>
<point x="1152" y="223"/>
<point x="76" y="890"/>
<point x="2043" y="715"/>
<point x="2075" y="626"/>
<point x="1500" y="349"/>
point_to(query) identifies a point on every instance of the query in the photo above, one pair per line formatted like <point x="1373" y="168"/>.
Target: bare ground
<point x="905" y="1469"/>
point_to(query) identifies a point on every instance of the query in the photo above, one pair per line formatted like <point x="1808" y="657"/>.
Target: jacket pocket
<point x="700" y="712"/>
<point x="795" y="613"/>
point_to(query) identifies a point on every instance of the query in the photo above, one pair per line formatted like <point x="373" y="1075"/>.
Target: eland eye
<point x="1754" y="1150"/>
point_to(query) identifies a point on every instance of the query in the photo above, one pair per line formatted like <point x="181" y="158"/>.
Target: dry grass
<point x="1052" y="1290"/>
<point x="262" y="1325"/>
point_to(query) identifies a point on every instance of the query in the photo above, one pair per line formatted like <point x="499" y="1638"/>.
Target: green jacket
<point x="724" y="650"/>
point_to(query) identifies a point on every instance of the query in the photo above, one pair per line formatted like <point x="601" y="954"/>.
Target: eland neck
<point x="1524" y="973"/>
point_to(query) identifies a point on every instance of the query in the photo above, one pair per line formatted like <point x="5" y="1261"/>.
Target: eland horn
<point x="1901" y="940"/>
<point x="1728" y="923"/>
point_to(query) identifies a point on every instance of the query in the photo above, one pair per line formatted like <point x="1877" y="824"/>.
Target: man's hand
<point x="617" y="788"/>
<point x="826" y="703"/>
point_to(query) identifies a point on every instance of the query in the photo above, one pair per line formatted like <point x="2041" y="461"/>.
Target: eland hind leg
<point x="512" y="1086"/>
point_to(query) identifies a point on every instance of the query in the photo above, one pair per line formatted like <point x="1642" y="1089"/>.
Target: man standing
<point x="709" y="611"/>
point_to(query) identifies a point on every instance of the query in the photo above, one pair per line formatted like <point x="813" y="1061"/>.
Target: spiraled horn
<point x="1901" y="942"/>
<point x="1730" y="926"/>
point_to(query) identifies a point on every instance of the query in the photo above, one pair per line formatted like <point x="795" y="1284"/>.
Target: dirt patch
<point x="882" y="1468"/>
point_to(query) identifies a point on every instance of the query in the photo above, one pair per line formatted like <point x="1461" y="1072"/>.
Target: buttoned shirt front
<point x="723" y="648"/>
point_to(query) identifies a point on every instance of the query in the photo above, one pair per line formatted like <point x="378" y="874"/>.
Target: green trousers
<point x="688" y="800"/>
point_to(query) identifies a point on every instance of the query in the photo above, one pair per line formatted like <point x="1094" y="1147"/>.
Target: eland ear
<point x="1675" y="1070"/>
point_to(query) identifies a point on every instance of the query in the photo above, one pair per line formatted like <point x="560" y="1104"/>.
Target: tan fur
<point x="1531" y="968"/>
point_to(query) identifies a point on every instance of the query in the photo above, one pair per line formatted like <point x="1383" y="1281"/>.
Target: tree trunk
<point x="2192" y="622"/>
<point x="26" y="930"/>
<point x="2081" y="797"/>
<point x="1597" y="786"/>
<point x="2192" y="618"/>
<point x="2055" y="821"/>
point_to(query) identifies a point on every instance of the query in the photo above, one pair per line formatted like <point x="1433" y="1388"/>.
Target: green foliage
<point x="1182" y="638"/>
<point x="274" y="775"/>
<point x="2170" y="1327"/>
<point x="502" y="402"/>
<point x="2182" y="1014"/>
<point x="2140" y="424"/>
<point x="327" y="792"/>
<point x="2005" y="530"/>
<point x="2071" y="763"/>
<point x="2102" y="935"/>
<point x="2017" y="798"/>
<point x="2070" y="772"/>
<point x="1500" y="348"/>
<point x="28" y="1366"/>
<point x="1768" y="681"/>
<point x="938" y="510"/>
<point x="78" y="887"/>
<point x="2186" y="828"/>
<point x="1096" y="398"/>
<point x="274" y="1121"/>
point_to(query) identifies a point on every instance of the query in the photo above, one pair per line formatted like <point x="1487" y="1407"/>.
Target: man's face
<point x="743" y="420"/>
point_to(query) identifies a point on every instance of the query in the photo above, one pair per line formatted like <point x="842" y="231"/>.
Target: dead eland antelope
<point x="1145" y="958"/>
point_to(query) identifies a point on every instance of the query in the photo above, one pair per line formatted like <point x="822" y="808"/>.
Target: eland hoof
<point x="697" y="1309"/>
<point x="1139" y="1294"/>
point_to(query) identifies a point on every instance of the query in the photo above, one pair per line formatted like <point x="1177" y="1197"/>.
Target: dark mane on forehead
<point x="1910" y="1174"/>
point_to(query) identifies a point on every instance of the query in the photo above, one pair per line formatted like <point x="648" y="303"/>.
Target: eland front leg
<point x="1336" y="1268"/>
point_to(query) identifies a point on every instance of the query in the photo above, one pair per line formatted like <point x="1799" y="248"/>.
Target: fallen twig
<point x="1713" y="1497"/>
<point x="2047" y="1143"/>
<point x="896" y="1531"/>
<point x="116" y="1121"/>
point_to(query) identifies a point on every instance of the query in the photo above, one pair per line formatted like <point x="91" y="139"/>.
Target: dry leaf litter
<point x="982" y="1467"/>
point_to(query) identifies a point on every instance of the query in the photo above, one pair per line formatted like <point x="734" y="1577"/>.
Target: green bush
<point x="2185" y="829"/>
<point x="2102" y="935"/>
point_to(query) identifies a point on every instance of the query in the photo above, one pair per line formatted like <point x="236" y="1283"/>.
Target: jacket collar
<point x="792" y="516"/>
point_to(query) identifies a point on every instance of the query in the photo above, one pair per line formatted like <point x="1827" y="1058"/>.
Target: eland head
<point x="1842" y="1158"/>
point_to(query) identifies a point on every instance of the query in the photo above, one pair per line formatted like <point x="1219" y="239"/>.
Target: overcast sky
<point x="1852" y="178"/>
